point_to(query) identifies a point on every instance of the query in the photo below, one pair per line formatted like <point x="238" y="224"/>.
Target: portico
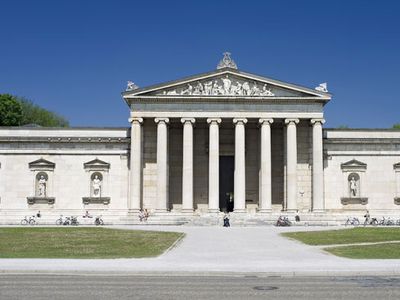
<point x="271" y="129"/>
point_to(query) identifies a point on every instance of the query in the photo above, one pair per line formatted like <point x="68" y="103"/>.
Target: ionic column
<point x="162" y="163"/>
<point x="135" y="164"/>
<point x="213" y="166"/>
<point x="317" y="169"/>
<point x="265" y="166"/>
<point x="239" y="193"/>
<point x="187" y="166"/>
<point x="291" y="163"/>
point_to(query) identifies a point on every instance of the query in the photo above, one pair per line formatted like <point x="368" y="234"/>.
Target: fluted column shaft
<point x="135" y="164"/>
<point x="291" y="163"/>
<point x="265" y="166"/>
<point x="317" y="168"/>
<point x="240" y="166"/>
<point x="187" y="165"/>
<point x="162" y="163"/>
<point x="213" y="167"/>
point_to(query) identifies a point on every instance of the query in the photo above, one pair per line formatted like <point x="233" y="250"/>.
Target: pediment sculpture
<point x="225" y="86"/>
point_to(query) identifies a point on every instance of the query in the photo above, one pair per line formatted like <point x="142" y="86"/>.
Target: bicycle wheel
<point x="24" y="222"/>
<point x="101" y="222"/>
<point x="32" y="222"/>
<point x="348" y="222"/>
<point x="356" y="222"/>
<point x="59" y="222"/>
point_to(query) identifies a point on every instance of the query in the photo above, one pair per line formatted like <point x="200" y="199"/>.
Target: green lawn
<point x="92" y="242"/>
<point x="346" y="236"/>
<point x="380" y="251"/>
<point x="354" y="236"/>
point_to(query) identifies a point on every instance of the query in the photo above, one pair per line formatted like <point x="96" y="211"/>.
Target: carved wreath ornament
<point x="223" y="86"/>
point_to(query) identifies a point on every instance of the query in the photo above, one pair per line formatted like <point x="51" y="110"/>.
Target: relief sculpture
<point x="224" y="87"/>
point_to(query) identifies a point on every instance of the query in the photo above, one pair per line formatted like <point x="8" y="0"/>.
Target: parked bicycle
<point x="283" y="221"/>
<point x="30" y="221"/>
<point x="60" y="220"/>
<point x="352" y="221"/>
<point x="98" y="221"/>
<point x="372" y="221"/>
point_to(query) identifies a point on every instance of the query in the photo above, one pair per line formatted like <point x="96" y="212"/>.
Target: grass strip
<point x="379" y="251"/>
<point x="346" y="236"/>
<point x="90" y="242"/>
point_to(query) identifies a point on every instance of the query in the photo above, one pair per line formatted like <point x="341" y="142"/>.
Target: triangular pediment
<point x="96" y="164"/>
<point x="42" y="164"/>
<point x="353" y="164"/>
<point x="227" y="82"/>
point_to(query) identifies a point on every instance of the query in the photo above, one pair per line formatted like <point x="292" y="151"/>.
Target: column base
<point x="318" y="210"/>
<point x="213" y="210"/>
<point x="133" y="211"/>
<point x="291" y="210"/>
<point x="187" y="211"/>
<point x="265" y="211"/>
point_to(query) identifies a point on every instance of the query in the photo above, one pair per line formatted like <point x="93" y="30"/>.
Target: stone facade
<point x="223" y="140"/>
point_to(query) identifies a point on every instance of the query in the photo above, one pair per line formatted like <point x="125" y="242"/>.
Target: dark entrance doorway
<point x="226" y="181"/>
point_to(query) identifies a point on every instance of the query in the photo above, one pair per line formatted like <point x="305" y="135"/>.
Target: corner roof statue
<point x="227" y="62"/>
<point x="323" y="87"/>
<point x="131" y="86"/>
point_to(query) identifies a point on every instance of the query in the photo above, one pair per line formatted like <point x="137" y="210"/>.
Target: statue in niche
<point x="42" y="184"/>
<point x="353" y="187"/>
<point x="96" y="185"/>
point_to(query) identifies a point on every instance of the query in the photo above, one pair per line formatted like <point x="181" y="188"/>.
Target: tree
<point x="34" y="114"/>
<point x="16" y="111"/>
<point x="396" y="126"/>
<point x="343" y="127"/>
<point x="10" y="111"/>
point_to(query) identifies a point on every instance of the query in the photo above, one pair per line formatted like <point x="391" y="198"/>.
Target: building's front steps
<point x="120" y="217"/>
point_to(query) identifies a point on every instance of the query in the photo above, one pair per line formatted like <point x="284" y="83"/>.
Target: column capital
<point x="265" y="121"/>
<point x="317" y="120"/>
<point x="164" y="120"/>
<point x="214" y="120"/>
<point x="191" y="120"/>
<point x="239" y="120"/>
<point x="289" y="121"/>
<point x="135" y="120"/>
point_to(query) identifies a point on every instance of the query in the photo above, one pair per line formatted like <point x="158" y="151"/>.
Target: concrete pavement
<point x="219" y="250"/>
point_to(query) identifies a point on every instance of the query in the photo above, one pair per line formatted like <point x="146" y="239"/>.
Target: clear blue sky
<point x="74" y="57"/>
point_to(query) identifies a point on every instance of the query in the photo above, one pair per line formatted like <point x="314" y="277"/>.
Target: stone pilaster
<point x="317" y="168"/>
<point x="213" y="168"/>
<point x="291" y="163"/>
<point x="265" y="188"/>
<point x="135" y="164"/>
<point x="240" y="166"/>
<point x="162" y="164"/>
<point x="187" y="165"/>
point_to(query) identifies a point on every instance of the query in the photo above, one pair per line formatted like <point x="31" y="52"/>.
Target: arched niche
<point x="98" y="176"/>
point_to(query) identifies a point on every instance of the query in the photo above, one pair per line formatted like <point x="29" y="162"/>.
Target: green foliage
<point x="33" y="114"/>
<point x="396" y="126"/>
<point x="343" y="127"/>
<point x="16" y="111"/>
<point x="10" y="111"/>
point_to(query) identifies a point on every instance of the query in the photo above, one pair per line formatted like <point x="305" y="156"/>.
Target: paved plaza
<point x="206" y="250"/>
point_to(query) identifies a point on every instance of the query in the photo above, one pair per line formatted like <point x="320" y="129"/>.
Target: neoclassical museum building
<point x="225" y="140"/>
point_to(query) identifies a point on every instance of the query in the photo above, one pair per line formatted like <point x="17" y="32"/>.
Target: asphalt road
<point x="69" y="287"/>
